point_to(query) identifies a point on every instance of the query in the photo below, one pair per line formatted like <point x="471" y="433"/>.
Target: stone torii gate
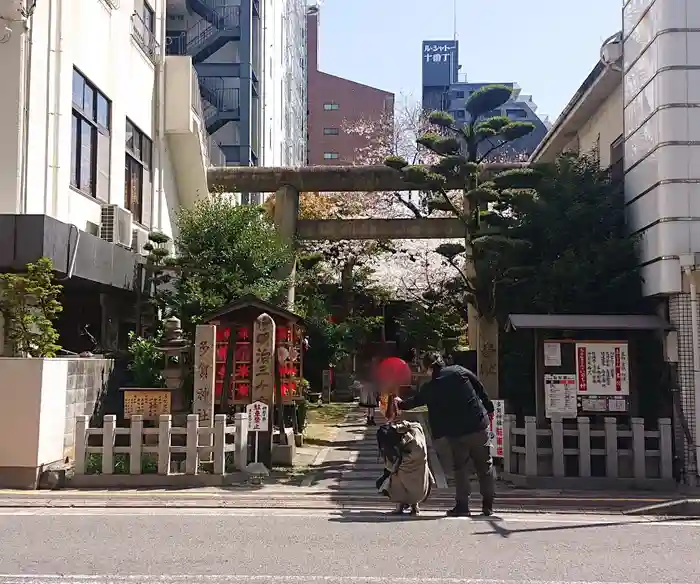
<point x="288" y="183"/>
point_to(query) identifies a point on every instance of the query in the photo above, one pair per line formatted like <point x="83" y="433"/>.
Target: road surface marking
<point x="247" y="578"/>
<point x="569" y="519"/>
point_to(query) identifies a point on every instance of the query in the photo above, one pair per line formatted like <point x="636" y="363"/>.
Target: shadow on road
<point x="499" y="529"/>
<point x="378" y="517"/>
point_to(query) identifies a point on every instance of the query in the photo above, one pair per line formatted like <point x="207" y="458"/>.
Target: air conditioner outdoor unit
<point x="139" y="238"/>
<point x="116" y="225"/>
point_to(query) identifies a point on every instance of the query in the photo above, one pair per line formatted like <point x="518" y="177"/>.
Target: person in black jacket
<point x="459" y="411"/>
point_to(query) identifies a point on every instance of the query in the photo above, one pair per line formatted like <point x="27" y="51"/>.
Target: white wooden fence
<point x="200" y="442"/>
<point x="650" y="456"/>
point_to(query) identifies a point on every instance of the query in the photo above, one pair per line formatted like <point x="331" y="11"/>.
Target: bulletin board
<point x="586" y="377"/>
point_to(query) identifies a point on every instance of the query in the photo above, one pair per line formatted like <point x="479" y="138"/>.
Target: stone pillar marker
<point x="263" y="387"/>
<point x="204" y="376"/>
<point x="263" y="360"/>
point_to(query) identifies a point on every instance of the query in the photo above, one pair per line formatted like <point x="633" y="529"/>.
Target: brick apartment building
<point x="334" y="102"/>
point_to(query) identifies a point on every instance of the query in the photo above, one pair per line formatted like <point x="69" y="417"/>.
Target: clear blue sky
<point x="547" y="46"/>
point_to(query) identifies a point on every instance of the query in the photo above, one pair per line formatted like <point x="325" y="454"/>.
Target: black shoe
<point x="371" y="422"/>
<point x="459" y="511"/>
<point x="487" y="508"/>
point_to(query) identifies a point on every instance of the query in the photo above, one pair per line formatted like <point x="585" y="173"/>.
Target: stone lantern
<point x="175" y="348"/>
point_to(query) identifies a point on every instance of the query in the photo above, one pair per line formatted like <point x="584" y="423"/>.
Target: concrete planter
<point x="32" y="420"/>
<point x="41" y="398"/>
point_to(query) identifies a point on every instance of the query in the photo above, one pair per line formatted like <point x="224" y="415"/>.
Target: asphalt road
<point x="233" y="546"/>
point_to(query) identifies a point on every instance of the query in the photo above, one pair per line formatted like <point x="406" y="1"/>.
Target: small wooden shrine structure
<point x="236" y="357"/>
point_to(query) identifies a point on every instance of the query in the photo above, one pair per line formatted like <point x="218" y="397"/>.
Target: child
<point x="368" y="399"/>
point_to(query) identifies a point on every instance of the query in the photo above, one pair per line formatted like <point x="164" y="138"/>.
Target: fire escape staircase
<point x="222" y="104"/>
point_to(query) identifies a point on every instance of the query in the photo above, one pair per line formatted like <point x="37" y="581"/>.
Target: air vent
<point x="116" y="225"/>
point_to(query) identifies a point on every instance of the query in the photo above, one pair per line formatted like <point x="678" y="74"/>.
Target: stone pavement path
<point x="351" y="462"/>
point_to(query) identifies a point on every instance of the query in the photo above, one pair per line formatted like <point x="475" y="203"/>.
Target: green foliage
<point x="580" y="257"/>
<point x="427" y="324"/>
<point x="395" y="162"/>
<point x="225" y="251"/>
<point x="29" y="304"/>
<point x="486" y="251"/>
<point x="146" y="362"/>
<point x="486" y="98"/>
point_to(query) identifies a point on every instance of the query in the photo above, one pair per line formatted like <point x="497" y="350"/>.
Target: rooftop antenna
<point x="454" y="18"/>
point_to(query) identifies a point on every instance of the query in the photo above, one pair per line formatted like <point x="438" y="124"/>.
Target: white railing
<point x="201" y="442"/>
<point x="627" y="451"/>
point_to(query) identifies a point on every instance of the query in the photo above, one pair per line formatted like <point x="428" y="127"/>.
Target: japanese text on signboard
<point x="496" y="428"/>
<point x="602" y="368"/>
<point x="257" y="417"/>
<point x="204" y="365"/>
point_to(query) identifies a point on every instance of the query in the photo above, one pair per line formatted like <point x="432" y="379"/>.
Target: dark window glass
<point x="331" y="131"/>
<point x="103" y="111"/>
<point x="87" y="158"/>
<point x="78" y="87"/>
<point x="459" y="94"/>
<point x="90" y="139"/>
<point x="75" y="145"/>
<point x="133" y="187"/>
<point x="129" y="137"/>
<point x="89" y="102"/>
<point x="137" y="184"/>
<point x="149" y="17"/>
<point x="516" y="113"/>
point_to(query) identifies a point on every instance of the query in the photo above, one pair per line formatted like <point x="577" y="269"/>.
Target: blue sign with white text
<point x="440" y="63"/>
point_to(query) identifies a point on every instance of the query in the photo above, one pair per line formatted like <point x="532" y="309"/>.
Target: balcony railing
<point x="144" y="36"/>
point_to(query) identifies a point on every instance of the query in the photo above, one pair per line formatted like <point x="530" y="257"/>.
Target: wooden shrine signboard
<point x="264" y="359"/>
<point x="149" y="403"/>
<point x="204" y="373"/>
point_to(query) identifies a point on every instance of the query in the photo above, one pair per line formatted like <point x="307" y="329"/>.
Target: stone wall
<point x="88" y="382"/>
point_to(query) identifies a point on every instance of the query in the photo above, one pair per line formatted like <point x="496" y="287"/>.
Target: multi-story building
<point x="104" y="143"/>
<point x="336" y="104"/>
<point x="250" y="58"/>
<point x="443" y="91"/>
<point x="637" y="110"/>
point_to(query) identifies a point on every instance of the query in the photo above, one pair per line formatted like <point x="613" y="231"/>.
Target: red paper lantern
<point x="222" y="334"/>
<point x="282" y="334"/>
<point x="243" y="334"/>
<point x="243" y="389"/>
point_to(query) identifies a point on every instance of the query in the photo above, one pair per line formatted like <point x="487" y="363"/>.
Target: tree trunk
<point x="487" y="354"/>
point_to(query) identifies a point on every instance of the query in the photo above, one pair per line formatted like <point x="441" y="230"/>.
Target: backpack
<point x="389" y="442"/>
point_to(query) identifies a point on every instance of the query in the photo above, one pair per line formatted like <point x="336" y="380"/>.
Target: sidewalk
<point x="342" y="476"/>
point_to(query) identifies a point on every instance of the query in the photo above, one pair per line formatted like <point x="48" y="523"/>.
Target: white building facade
<point x="106" y="139"/>
<point x="661" y="101"/>
<point x="284" y="83"/>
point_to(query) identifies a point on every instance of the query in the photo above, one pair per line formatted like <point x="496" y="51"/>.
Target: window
<point x="137" y="177"/>
<point x="519" y="114"/>
<point x="459" y="94"/>
<point x="617" y="159"/>
<point x="330" y="106"/>
<point x="492" y="114"/>
<point x="143" y="26"/>
<point x="90" y="139"/>
<point x="460" y="114"/>
<point x="330" y="155"/>
<point x="330" y="131"/>
<point x="149" y="17"/>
